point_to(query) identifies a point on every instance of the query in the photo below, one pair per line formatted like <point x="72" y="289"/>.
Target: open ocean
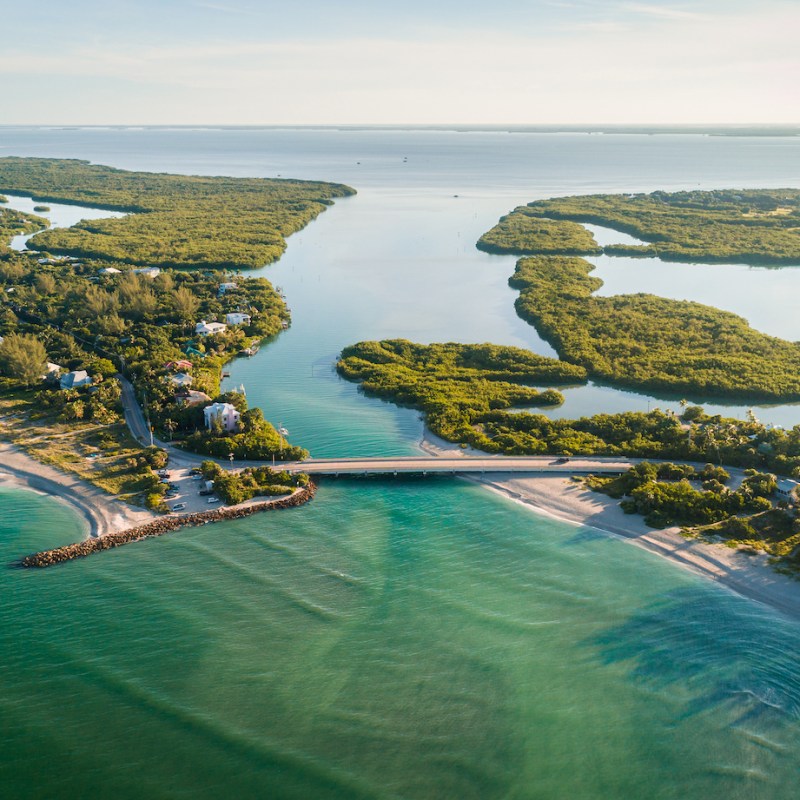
<point x="402" y="639"/>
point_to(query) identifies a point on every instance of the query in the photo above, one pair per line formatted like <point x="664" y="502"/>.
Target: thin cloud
<point x="225" y="8"/>
<point x="665" y="12"/>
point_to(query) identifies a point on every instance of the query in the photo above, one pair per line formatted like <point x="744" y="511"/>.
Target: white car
<point x="212" y="500"/>
<point x="179" y="507"/>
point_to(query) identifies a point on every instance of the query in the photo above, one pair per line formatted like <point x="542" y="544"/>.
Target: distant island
<point x="748" y="226"/>
<point x="176" y="221"/>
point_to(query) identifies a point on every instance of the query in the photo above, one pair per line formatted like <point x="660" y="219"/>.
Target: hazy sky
<point x="409" y="61"/>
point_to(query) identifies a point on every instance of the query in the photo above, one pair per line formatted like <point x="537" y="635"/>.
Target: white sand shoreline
<point x="101" y="512"/>
<point x="750" y="576"/>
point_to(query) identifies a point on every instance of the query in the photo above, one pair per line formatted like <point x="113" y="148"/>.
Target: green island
<point x="455" y="384"/>
<point x="646" y="342"/>
<point x="524" y="232"/>
<point x="68" y="325"/>
<point x="752" y="226"/>
<point x="176" y="220"/>
<point x="466" y="391"/>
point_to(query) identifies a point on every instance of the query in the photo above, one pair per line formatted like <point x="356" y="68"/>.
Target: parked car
<point x="212" y="500"/>
<point x="179" y="507"/>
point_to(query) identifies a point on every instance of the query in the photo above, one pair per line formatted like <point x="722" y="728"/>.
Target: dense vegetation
<point x="648" y="342"/>
<point x="236" y="487"/>
<point x="465" y="391"/>
<point x="693" y="436"/>
<point x="754" y="226"/>
<point x="78" y="317"/>
<point x="527" y="233"/>
<point x="455" y="383"/>
<point x="182" y="221"/>
<point x="744" y="516"/>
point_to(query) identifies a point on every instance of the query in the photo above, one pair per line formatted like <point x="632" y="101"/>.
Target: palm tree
<point x="170" y="426"/>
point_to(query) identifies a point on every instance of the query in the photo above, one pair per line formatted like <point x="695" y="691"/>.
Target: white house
<point x="148" y="272"/>
<point x="237" y="319"/>
<point x="204" y="328"/>
<point x="110" y="271"/>
<point x="224" y="413"/>
<point x="74" y="379"/>
<point x="227" y="287"/>
<point x="181" y="380"/>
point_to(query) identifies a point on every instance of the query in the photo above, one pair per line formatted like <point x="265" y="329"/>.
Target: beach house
<point x="237" y="318"/>
<point x="204" y="328"/>
<point x="181" y="380"/>
<point x="191" y="397"/>
<point x="223" y="414"/>
<point x="74" y="379"/>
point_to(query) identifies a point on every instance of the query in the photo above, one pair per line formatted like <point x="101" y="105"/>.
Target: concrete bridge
<point x="461" y="465"/>
<point x="394" y="465"/>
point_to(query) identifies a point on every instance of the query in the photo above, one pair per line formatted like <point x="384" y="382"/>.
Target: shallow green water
<point x="391" y="639"/>
<point x="430" y="642"/>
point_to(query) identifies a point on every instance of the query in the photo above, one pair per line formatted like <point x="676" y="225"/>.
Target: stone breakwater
<point x="47" y="558"/>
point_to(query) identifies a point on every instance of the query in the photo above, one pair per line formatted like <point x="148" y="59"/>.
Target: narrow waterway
<point x="61" y="215"/>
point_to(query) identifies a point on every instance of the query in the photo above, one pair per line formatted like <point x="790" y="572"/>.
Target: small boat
<point x="226" y="374"/>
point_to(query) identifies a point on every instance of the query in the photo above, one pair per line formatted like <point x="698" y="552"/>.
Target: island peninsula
<point x="154" y="302"/>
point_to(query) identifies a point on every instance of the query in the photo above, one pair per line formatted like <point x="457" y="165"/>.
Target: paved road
<point x="133" y="413"/>
<point x="431" y="465"/>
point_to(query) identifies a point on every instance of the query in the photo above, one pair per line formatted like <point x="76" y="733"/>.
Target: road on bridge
<point x="473" y="465"/>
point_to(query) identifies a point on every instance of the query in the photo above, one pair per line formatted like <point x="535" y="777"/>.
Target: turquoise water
<point x="420" y="639"/>
<point x="423" y="641"/>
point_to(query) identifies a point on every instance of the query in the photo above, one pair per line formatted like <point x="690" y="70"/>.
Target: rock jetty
<point x="47" y="558"/>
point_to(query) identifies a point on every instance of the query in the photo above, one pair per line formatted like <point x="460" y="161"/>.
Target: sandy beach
<point x="749" y="575"/>
<point x="101" y="512"/>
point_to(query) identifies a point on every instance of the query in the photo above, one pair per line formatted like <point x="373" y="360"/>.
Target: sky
<point x="337" y="62"/>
